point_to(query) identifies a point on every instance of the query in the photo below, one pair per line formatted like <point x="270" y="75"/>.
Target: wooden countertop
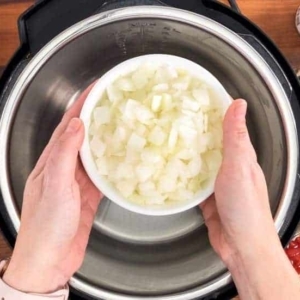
<point x="276" y="18"/>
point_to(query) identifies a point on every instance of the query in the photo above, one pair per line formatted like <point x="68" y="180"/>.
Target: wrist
<point x="253" y="246"/>
<point x="30" y="277"/>
<point x="261" y="270"/>
<point x="253" y="255"/>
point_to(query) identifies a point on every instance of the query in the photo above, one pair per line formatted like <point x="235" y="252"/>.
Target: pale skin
<point x="60" y="203"/>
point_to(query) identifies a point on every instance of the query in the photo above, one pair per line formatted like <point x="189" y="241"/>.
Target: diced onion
<point x="101" y="115"/>
<point x="173" y="138"/>
<point x="126" y="85"/>
<point x="156" y="135"/>
<point x="136" y="143"/>
<point x="144" y="172"/>
<point x="201" y="96"/>
<point x="97" y="146"/>
<point x="114" y="94"/>
<point x="156" y="103"/>
<point x="139" y="79"/>
<point x="162" y="87"/>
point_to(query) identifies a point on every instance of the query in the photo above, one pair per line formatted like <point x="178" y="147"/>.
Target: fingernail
<point x="73" y="125"/>
<point x="240" y="109"/>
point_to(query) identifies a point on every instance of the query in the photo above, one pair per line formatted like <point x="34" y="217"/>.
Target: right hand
<point x="238" y="215"/>
<point x="239" y="219"/>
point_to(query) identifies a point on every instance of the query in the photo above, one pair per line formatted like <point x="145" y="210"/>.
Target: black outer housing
<point x="47" y="18"/>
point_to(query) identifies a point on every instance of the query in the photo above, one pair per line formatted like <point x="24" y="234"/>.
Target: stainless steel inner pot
<point x="132" y="256"/>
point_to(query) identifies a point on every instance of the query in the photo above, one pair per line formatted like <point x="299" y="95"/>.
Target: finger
<point x="87" y="187"/>
<point x="88" y="214"/>
<point x="73" y="112"/>
<point x="236" y="139"/>
<point x="211" y="216"/>
<point x="209" y="208"/>
<point x="80" y="175"/>
<point x="62" y="161"/>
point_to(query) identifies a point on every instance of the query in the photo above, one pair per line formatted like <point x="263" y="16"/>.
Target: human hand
<point x="239" y="213"/>
<point x="59" y="206"/>
<point x="239" y="219"/>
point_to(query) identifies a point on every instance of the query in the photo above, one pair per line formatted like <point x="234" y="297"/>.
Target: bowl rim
<point x="94" y="97"/>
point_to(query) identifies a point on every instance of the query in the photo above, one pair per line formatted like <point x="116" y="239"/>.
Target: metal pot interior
<point x="130" y="254"/>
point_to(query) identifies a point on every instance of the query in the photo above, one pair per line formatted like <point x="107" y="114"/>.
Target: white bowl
<point x="93" y="99"/>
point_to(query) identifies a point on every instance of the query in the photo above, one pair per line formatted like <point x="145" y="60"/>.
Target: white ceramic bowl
<point x="93" y="99"/>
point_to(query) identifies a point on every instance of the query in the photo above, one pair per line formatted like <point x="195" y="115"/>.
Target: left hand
<point x="59" y="206"/>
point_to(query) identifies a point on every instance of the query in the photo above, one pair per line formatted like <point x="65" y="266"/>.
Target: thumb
<point x="62" y="160"/>
<point x="236" y="140"/>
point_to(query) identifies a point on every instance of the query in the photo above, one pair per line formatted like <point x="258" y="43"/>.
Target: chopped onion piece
<point x="185" y="121"/>
<point x="102" y="166"/>
<point x="132" y="156"/>
<point x="139" y="79"/>
<point x="157" y="136"/>
<point x="202" y="96"/>
<point x="149" y="69"/>
<point x="194" y="166"/>
<point x="185" y="194"/>
<point x="182" y="83"/>
<point x="125" y="171"/>
<point x="213" y="159"/>
<point x="141" y="129"/>
<point x="186" y="154"/>
<point x="147" y="188"/>
<point x="167" y="102"/>
<point x="166" y="184"/>
<point x="139" y="95"/>
<point x="143" y="114"/>
<point x="130" y="109"/>
<point x="114" y="94"/>
<point x="190" y="104"/>
<point x="193" y="185"/>
<point x="144" y="172"/>
<point x="126" y="187"/>
<point x="136" y="142"/>
<point x="160" y="76"/>
<point x="173" y="138"/>
<point x="102" y="115"/>
<point x="151" y="156"/>
<point x="121" y="134"/>
<point x="93" y="129"/>
<point x="205" y="120"/>
<point x="156" y="103"/>
<point x="162" y="87"/>
<point x="126" y="84"/>
<point x="138" y="199"/>
<point x="171" y="72"/>
<point x="206" y="142"/>
<point x="199" y="121"/>
<point x="176" y="168"/>
<point x="97" y="146"/>
<point x="188" y="134"/>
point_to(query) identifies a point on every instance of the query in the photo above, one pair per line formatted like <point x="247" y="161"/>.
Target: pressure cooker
<point x="67" y="45"/>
